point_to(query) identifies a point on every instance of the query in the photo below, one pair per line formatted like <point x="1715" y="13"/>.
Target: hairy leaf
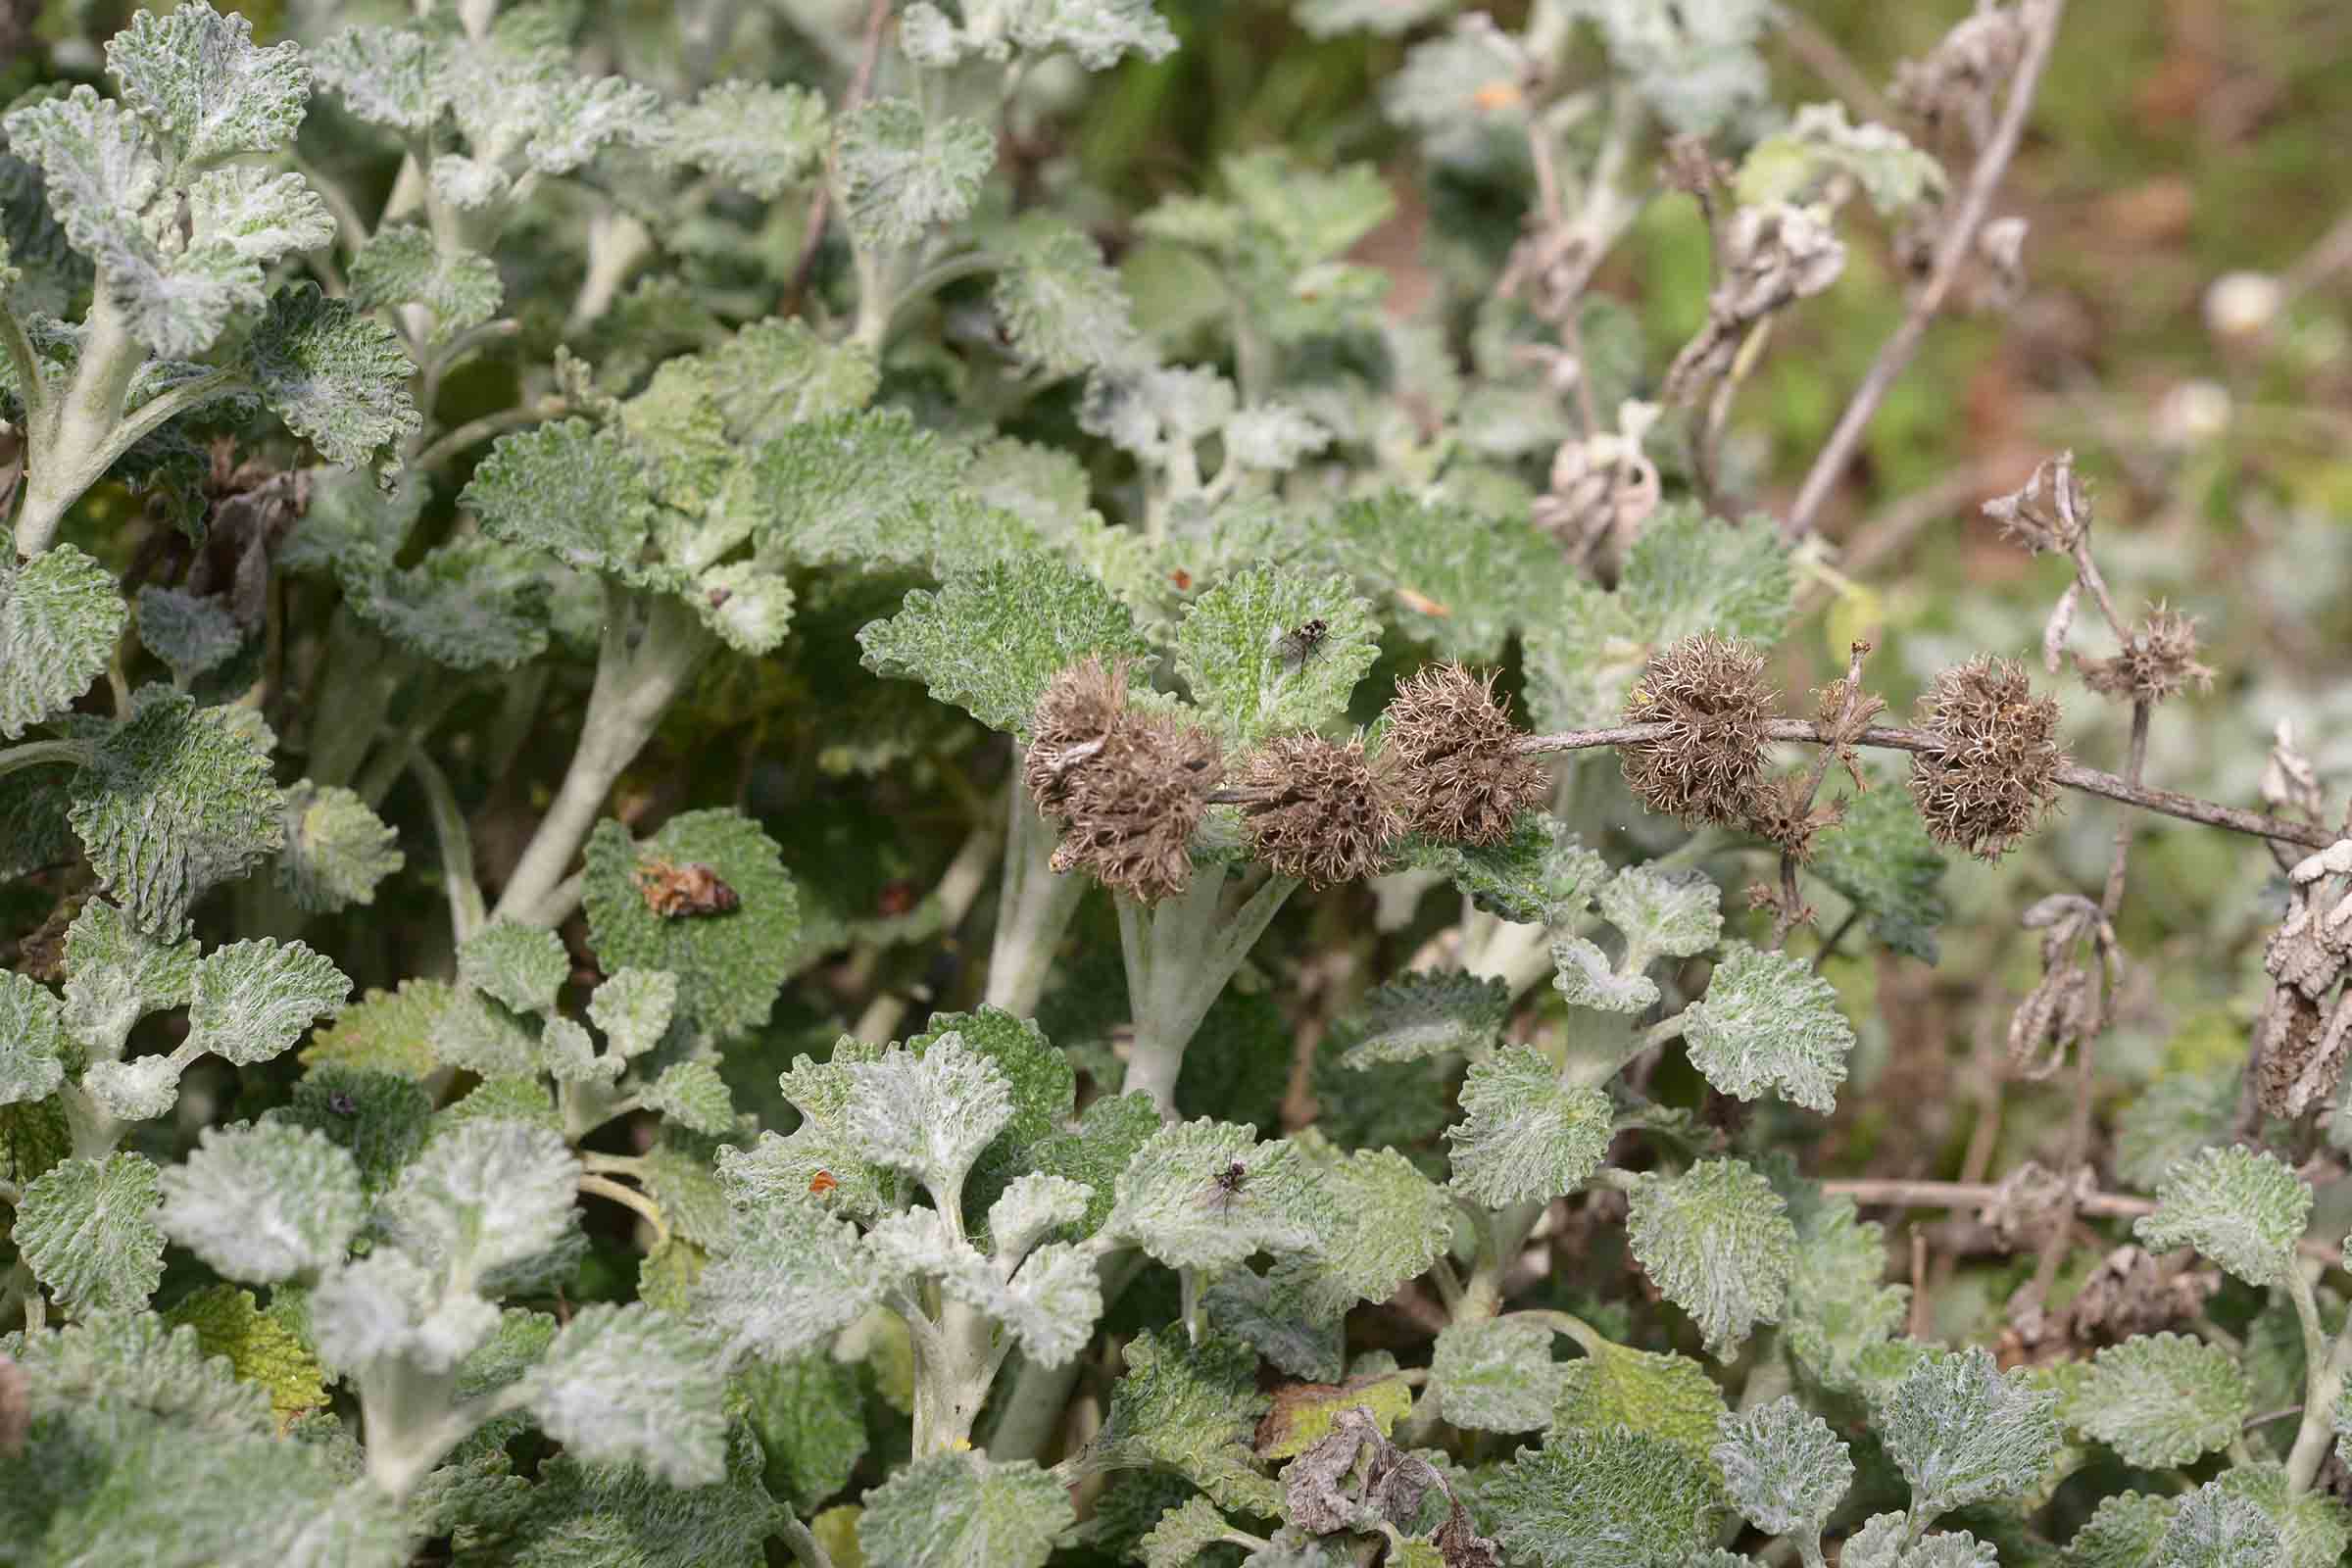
<point x="566" y="488"/>
<point x="88" y="1231"/>
<point x="196" y="74"/>
<point x="2160" y="1401"/>
<point x="485" y="1201"/>
<point x="1768" y="1022"/>
<point x="261" y="1205"/>
<point x="794" y="1277"/>
<point x="1175" y="1201"/>
<point x="729" y="963"/>
<point x="32" y="1041"/>
<point x="1783" y="1467"/>
<point x="1964" y="1432"/>
<point x="1063" y="309"/>
<point x="956" y="1509"/>
<point x="1250" y="652"/>
<point x="1523" y="1135"/>
<point x="900" y="177"/>
<point x="402" y="265"/>
<point x="1613" y="1500"/>
<point x="337" y="849"/>
<point x="1191" y="1409"/>
<point x="2240" y="1208"/>
<point x="251" y="1001"/>
<point x="756" y="137"/>
<point x="1428" y="1013"/>
<point x="59" y="619"/>
<point x="1717" y="1240"/>
<point x="335" y="375"/>
<point x="1496" y="1374"/>
<point x="523" y="967"/>
<point x="631" y="1385"/>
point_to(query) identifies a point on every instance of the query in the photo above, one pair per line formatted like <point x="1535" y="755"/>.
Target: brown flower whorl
<point x="1996" y="776"/>
<point x="1453" y="756"/>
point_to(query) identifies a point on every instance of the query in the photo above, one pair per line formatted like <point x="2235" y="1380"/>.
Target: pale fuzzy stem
<point x="633" y="688"/>
<point x="68" y="444"/>
<point x="466" y="914"/>
<point x="2325" y="1366"/>
<point x="806" y="1547"/>
<point x="37" y="753"/>
<point x="1179" y="953"/>
<point x="1034" y="906"/>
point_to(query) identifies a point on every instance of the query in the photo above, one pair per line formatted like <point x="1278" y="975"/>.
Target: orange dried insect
<point x="897" y="897"/>
<point x="671" y="890"/>
<point x="1421" y="603"/>
<point x="1183" y="580"/>
<point x="1496" y="96"/>
<point x="823" y="1182"/>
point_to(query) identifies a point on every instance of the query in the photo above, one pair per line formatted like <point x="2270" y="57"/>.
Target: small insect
<point x="1299" y="646"/>
<point x="897" y="897"/>
<point x="1182" y="580"/>
<point x="822" y="1182"/>
<point x="671" y="890"/>
<point x="718" y="597"/>
<point x="1225" y="1187"/>
<point x="1496" y="96"/>
<point x="1422" y="603"/>
<point x="342" y="1105"/>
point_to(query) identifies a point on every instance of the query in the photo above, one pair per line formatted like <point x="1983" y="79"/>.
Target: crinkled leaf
<point x="567" y="488"/>
<point x="1838" y="1304"/>
<point x="253" y="999"/>
<point x="1783" y="1467"/>
<point x="2214" y="1529"/>
<point x="99" y="165"/>
<point x="730" y="964"/>
<point x="1659" y="1394"/>
<point x="900" y="177"/>
<point x="1273" y="437"/>
<point x="694" y="1095"/>
<point x="990" y="640"/>
<point x="261" y="1205"/>
<point x="1182" y="1534"/>
<point x="59" y="619"/>
<point x="488" y="1198"/>
<point x="1541" y="875"/>
<point x="385" y="1031"/>
<point x="388" y="1306"/>
<point x="2122" y="1533"/>
<point x="1108" y="1136"/>
<point x="1386" y="1224"/>
<point x="1242" y="651"/>
<point x="1663" y="913"/>
<point x="1171" y="1201"/>
<point x="874" y="489"/>
<point x="388" y="77"/>
<point x="952" y="1510"/>
<point x="1585" y="976"/>
<point x="931" y="1115"/>
<point x="257" y="215"/>
<point x="1768" y="1022"/>
<point x="1031" y="1206"/>
<point x="1463" y="581"/>
<point x="133" y="1091"/>
<point x="380" y="1117"/>
<point x="1496" y="1374"/>
<point x="808" y="1413"/>
<point x="2160" y="1401"/>
<point x="773" y="374"/>
<point x="2241" y="1209"/>
<point x="631" y="1385"/>
<point x="471" y="603"/>
<point x="191" y="635"/>
<point x="523" y="965"/>
<point x="262" y="1350"/>
<point x="1191" y="1408"/>
<point x="337" y="376"/>
<point x="794" y="1276"/>
<point x="756" y="137"/>
<point x="1523" y="1135"/>
<point x="2314" y="1528"/>
<point x="1717" y="1240"/>
<point x="337" y="849"/>
<point x="32" y="1041"/>
<point x="1964" y="1432"/>
<point x="1881" y="1543"/>
<point x="34" y="1136"/>
<point x="402" y="265"/>
<point x="1796" y="163"/>
<point x="587" y="1516"/>
<point x="2187" y="1109"/>
<point x="1062" y="307"/>
<point x="633" y="1008"/>
<point x="1613" y="1500"/>
<point x="1277" y="1314"/>
<point x="88" y="1232"/>
<point x="198" y="77"/>
<point x="485" y="1037"/>
<point x="1428" y="1013"/>
<point x="746" y="605"/>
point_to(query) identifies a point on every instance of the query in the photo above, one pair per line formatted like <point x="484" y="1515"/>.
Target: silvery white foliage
<point x="388" y="77"/>
<point x="1169" y="1201"/>
<point x="2162" y="1399"/>
<point x="1695" y="64"/>
<point x="389" y="1307"/>
<point x="633" y="1008"/>
<point x="2214" y="1529"/>
<point x="794" y="1275"/>
<point x="484" y="1197"/>
<point x="1663" y="914"/>
<point x="58" y="618"/>
<point x="1523" y="1135"/>
<point x="1784" y="1467"/>
<point x="632" y="1384"/>
<point x="250" y="1000"/>
<point x="265" y="1204"/>
<point x="1049" y="1303"/>
<point x="256" y="216"/>
<point x="197" y="76"/>
<point x="948" y="1511"/>
<point x="469" y="183"/>
<point x="1273" y="437"/>
<point x="903" y="175"/>
<point x="1585" y="976"/>
<point x="1717" y="1241"/>
<point x="915" y="1244"/>
<point x="929" y="1115"/>
<point x="116" y="974"/>
<point x="1030" y="1206"/>
<point x="523" y="965"/>
<point x="133" y="1091"/>
<point x="32" y="1038"/>
<point x="1964" y="1432"/>
<point x="569" y="1054"/>
<point x="190" y="634"/>
<point x="1098" y="31"/>
<point x="1496" y="1374"/>
<point x="1880" y="1545"/>
<point x="2243" y="1209"/>
<point x="758" y="136"/>
<point x="1768" y="1022"/>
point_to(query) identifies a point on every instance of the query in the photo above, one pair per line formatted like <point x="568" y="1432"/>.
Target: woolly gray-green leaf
<point x="900" y="176"/>
<point x="1768" y="1022"/>
<point x="1172" y="1202"/>
<point x="337" y="376"/>
<point x="1717" y="1240"/>
<point x="756" y="137"/>
<point x="931" y="1115"/>
<point x="174" y="802"/>
<point x="59" y="619"/>
<point x="489" y="1196"/>
<point x="256" y="216"/>
<point x="631" y="1385"/>
<point x="388" y="1306"/>
<point x="523" y="965"/>
<point x="88" y="1231"/>
<point x="1426" y="1013"/>
<point x="1881" y="856"/>
<point x="694" y="1095"/>
<point x="1269" y="651"/>
<point x="990" y="640"/>
<point x="32" y="1041"/>
<point x="197" y="76"/>
<point x="1523" y="1135"/>
<point x="567" y="488"/>
<point x="1605" y="1500"/>
<point x="337" y="849"/>
<point x="1541" y="875"/>
<point x="1062" y="307"/>
<point x="1965" y="1432"/>
<point x="729" y="963"/>
<point x="1496" y="1375"/>
<point x="2160" y="1401"/>
<point x="633" y="1008"/>
<point x="253" y="999"/>
<point x="794" y="1276"/>
<point x="402" y="265"/>
<point x="2214" y="1529"/>
<point x="389" y="76"/>
<point x="191" y="635"/>
<point x="952" y="1510"/>
<point x="261" y="1205"/>
<point x="1385" y="1225"/>
<point x="1585" y="977"/>
<point x="471" y="603"/>
<point x="2243" y="1209"/>
<point x="1669" y="915"/>
<point x="1783" y="1468"/>
<point x="1191" y="1408"/>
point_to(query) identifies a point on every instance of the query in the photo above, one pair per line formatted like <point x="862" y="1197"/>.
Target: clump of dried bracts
<point x="2305" y="1040"/>
<point x="1455" y="761"/>
<point x="1709" y="767"/>
<point x="1994" y="775"/>
<point x="1130" y="787"/>
<point x="2159" y="661"/>
<point x="1315" y="810"/>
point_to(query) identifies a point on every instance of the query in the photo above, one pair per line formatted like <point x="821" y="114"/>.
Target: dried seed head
<point x="1995" y="775"/>
<point x="2051" y="512"/>
<point x="1130" y="787"/>
<point x="2302" y="1051"/>
<point x="1959" y="80"/>
<point x="1316" y="809"/>
<point x="1709" y="766"/>
<point x="1455" y="757"/>
<point x="2159" y="661"/>
<point x="1783" y="816"/>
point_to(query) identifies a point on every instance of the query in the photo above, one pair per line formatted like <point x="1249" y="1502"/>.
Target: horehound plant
<point x="530" y="528"/>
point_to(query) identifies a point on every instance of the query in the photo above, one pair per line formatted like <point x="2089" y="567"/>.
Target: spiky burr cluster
<point x="2159" y="661"/>
<point x="1709" y="767"/>
<point x="1130" y="787"/>
<point x="1453" y="756"/>
<point x="1995" y="775"/>
<point x="1318" y="810"/>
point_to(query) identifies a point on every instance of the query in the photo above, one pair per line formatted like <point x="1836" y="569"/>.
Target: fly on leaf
<point x="673" y="891"/>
